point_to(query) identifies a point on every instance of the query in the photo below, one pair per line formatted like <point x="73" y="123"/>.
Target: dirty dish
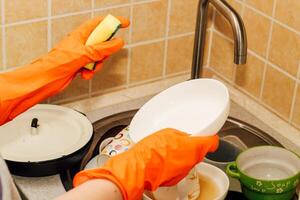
<point x="199" y="107"/>
<point x="213" y="181"/>
<point x="266" y="173"/>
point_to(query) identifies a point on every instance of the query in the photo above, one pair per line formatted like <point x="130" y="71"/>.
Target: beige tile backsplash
<point x="113" y="73"/>
<point x="159" y="44"/>
<point x="149" y="21"/>
<point x="180" y="53"/>
<point x="25" y="42"/>
<point x="62" y="26"/>
<point x="68" y="6"/>
<point x="296" y="116"/>
<point x="285" y="49"/>
<point x="250" y="76"/>
<point x="146" y="62"/>
<point x="182" y="16"/>
<point x="221" y="24"/>
<point x="17" y="10"/>
<point x="278" y="91"/>
<point x="258" y="31"/>
<point x="288" y="12"/>
<point x="222" y="56"/>
<point x="271" y="75"/>
<point x="265" y="6"/>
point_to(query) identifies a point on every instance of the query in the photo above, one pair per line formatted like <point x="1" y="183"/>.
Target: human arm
<point x="162" y="159"/>
<point x="97" y="189"/>
<point x="28" y="85"/>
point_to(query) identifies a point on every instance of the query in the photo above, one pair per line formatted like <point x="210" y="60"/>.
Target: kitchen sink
<point x="237" y="133"/>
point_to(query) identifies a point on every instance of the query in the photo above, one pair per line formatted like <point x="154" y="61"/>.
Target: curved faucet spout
<point x="238" y="28"/>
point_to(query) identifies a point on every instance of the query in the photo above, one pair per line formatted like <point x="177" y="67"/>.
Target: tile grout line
<point x="93" y="8"/>
<point x="3" y="31"/>
<point x="252" y="96"/>
<point x="145" y="42"/>
<point x="49" y="26"/>
<point x="49" y="32"/>
<point x="298" y="71"/>
<point x="129" y="47"/>
<point x="27" y="21"/>
<point x="293" y="105"/>
<point x="166" y="38"/>
<point x="70" y="99"/>
<point x="221" y="76"/>
<point x="77" y="13"/>
<point x="188" y="72"/>
<point x="294" y="97"/>
<point x="243" y="8"/>
<point x="158" y="40"/>
<point x="145" y="81"/>
<point x="273" y="18"/>
<point x="267" y="52"/>
<point x="109" y="90"/>
<point x="92" y="16"/>
<point x="137" y="3"/>
<point x="181" y="35"/>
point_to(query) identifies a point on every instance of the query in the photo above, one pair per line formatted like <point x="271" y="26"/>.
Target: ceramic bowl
<point x="198" y="107"/>
<point x="219" y="178"/>
<point x="266" y="173"/>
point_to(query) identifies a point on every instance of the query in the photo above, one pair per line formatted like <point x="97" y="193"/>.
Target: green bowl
<point x="266" y="173"/>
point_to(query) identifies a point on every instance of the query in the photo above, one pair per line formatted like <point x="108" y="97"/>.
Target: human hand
<point x="161" y="159"/>
<point x="22" y="88"/>
<point x="73" y="52"/>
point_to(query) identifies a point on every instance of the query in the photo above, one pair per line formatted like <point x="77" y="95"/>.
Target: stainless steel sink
<point x="238" y="134"/>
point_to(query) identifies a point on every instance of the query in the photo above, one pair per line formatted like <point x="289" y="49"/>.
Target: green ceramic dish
<point x="266" y="173"/>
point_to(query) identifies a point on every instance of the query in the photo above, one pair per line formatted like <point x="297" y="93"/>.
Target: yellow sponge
<point x="103" y="32"/>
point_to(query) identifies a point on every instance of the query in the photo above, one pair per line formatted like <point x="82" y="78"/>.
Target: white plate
<point x="61" y="131"/>
<point x="198" y="107"/>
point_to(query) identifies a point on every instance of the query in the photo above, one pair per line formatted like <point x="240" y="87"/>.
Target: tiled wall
<point x="272" y="73"/>
<point x="160" y="41"/>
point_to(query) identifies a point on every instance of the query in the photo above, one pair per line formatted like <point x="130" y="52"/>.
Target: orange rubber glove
<point x="161" y="159"/>
<point x="26" y="86"/>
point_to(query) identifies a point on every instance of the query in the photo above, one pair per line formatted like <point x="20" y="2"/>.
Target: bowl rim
<point x="264" y="180"/>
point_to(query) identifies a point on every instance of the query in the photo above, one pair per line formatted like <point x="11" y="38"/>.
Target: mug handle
<point x="232" y="170"/>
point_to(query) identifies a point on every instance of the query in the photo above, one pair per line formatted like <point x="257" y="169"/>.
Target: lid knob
<point x="34" y="126"/>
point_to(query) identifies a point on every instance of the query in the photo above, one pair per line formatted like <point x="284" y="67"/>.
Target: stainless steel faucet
<point x="238" y="28"/>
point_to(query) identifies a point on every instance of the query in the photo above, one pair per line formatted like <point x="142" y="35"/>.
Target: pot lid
<point x="43" y="133"/>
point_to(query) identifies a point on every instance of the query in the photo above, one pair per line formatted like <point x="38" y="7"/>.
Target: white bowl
<point x="198" y="107"/>
<point x="219" y="178"/>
